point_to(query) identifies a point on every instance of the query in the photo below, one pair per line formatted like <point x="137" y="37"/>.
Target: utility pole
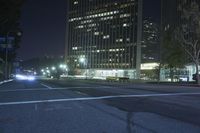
<point x="6" y="55"/>
<point x="7" y="46"/>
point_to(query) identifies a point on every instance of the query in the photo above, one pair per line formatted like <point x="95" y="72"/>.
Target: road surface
<point x="83" y="106"/>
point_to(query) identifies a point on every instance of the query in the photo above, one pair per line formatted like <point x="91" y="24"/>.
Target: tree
<point x="10" y="11"/>
<point x="188" y="34"/>
<point x="72" y="63"/>
<point x="172" y="54"/>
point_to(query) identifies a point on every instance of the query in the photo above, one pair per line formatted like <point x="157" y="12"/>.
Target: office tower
<point x="104" y="37"/>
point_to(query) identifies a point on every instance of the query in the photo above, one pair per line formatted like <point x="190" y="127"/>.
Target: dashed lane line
<point x="49" y="87"/>
<point x="16" y="90"/>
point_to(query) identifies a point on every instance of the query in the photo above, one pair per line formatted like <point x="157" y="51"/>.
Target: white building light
<point x="75" y="2"/>
<point x="106" y="36"/>
<point x="124" y="25"/>
<point x="149" y="66"/>
<point x="96" y="33"/>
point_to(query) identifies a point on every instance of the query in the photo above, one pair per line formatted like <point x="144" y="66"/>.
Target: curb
<point x="6" y="81"/>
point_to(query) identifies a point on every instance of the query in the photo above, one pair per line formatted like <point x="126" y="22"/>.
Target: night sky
<point x="152" y="9"/>
<point x="43" y="23"/>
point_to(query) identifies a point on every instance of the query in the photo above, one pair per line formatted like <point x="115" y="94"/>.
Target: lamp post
<point x="84" y="62"/>
<point x="63" y="68"/>
<point x="6" y="62"/>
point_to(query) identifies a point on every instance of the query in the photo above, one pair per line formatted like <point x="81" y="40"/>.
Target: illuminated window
<point x="128" y="39"/>
<point x="106" y="37"/>
<point x="74" y="48"/>
<point x="75" y="2"/>
<point x="75" y="19"/>
<point x="125" y="25"/>
<point x="88" y="30"/>
<point x="96" y="33"/>
<point x="119" y="40"/>
<point x="80" y="27"/>
<point x="124" y="15"/>
<point x="91" y="25"/>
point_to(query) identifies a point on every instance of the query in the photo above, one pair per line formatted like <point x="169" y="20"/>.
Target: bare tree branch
<point x="188" y="33"/>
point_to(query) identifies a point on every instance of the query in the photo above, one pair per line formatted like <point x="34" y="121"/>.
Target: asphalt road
<point x="83" y="106"/>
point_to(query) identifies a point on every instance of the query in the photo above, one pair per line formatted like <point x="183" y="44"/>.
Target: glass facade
<point x="102" y="34"/>
<point x="151" y="42"/>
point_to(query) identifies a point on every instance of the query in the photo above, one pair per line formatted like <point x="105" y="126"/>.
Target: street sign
<point x="8" y="44"/>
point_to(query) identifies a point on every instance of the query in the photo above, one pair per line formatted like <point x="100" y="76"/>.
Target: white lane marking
<point x="49" y="87"/>
<point x="81" y="93"/>
<point x="43" y="89"/>
<point x="14" y="90"/>
<point x="96" y="98"/>
<point x="84" y="87"/>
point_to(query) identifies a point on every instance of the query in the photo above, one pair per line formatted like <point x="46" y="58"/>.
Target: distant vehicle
<point x="25" y="75"/>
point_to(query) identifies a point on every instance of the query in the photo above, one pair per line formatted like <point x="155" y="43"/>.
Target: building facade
<point x="104" y="37"/>
<point x="150" y="42"/>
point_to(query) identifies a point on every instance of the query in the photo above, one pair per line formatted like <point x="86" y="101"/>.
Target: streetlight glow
<point x="61" y="66"/>
<point x="82" y="59"/>
<point x="53" y="68"/>
<point x="48" y="71"/>
<point x="64" y="66"/>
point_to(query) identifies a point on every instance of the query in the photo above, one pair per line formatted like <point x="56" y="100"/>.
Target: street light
<point x="64" y="66"/>
<point x="61" y="66"/>
<point x="53" y="68"/>
<point x="48" y="71"/>
<point x="84" y="62"/>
